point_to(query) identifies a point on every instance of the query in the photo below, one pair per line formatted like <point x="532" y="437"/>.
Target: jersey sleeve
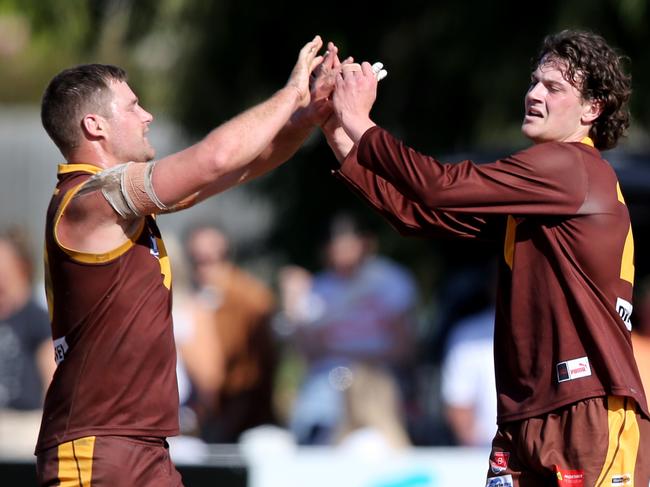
<point x="546" y="179"/>
<point x="408" y="217"/>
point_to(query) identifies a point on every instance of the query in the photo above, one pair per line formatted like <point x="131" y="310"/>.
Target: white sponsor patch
<point x="622" y="479"/>
<point x="624" y="310"/>
<point x="573" y="369"/>
<point x="60" y="349"/>
<point x="501" y="481"/>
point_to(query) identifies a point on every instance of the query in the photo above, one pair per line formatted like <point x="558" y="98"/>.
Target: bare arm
<point x="224" y="157"/>
<point x="302" y="122"/>
<point x="340" y="143"/>
<point x="45" y="363"/>
<point x="462" y="422"/>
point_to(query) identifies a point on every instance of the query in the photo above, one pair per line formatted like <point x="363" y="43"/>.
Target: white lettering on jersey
<point x="573" y="369"/>
<point x="60" y="349"/>
<point x="624" y="310"/>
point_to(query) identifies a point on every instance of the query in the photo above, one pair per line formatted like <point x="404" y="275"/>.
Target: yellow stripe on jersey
<point x="623" y="440"/>
<point x="68" y="168"/>
<point x="165" y="265"/>
<point x="76" y="462"/>
<point x="619" y="193"/>
<point x="627" y="260"/>
<point x="588" y="141"/>
<point x="509" y="244"/>
<point x="87" y="257"/>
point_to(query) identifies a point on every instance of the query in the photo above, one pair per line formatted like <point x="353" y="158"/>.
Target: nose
<point x="146" y="116"/>
<point x="535" y="91"/>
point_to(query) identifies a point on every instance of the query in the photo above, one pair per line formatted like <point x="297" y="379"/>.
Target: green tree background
<point x="457" y="75"/>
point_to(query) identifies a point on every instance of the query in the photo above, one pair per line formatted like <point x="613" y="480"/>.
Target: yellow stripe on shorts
<point x="623" y="445"/>
<point x="76" y="462"/>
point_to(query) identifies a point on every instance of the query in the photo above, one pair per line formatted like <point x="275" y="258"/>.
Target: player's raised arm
<point x="222" y="158"/>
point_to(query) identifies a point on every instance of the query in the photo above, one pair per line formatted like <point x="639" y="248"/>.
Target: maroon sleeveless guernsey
<point x="112" y="331"/>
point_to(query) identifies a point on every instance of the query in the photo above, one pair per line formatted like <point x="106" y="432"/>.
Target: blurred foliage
<point x="457" y="75"/>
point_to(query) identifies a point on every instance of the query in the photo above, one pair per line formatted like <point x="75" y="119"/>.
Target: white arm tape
<point x="148" y="186"/>
<point x="127" y="188"/>
<point x="379" y="70"/>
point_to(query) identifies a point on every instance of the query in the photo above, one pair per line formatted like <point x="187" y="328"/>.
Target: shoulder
<point x="554" y="154"/>
<point x="558" y="165"/>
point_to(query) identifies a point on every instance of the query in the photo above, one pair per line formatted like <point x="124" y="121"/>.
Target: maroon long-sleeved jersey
<point x="562" y="328"/>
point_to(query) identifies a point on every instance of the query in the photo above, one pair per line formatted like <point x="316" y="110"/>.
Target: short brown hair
<point x="596" y="69"/>
<point x="72" y="94"/>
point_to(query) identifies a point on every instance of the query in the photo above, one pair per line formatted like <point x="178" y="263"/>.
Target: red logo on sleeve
<point x="499" y="461"/>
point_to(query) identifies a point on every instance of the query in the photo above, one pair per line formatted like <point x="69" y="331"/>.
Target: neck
<point x="91" y="154"/>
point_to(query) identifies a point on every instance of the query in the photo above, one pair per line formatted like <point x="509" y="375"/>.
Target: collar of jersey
<point x="68" y="168"/>
<point x="588" y="141"/>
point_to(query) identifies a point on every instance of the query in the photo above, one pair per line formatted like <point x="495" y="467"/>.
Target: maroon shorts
<point x="602" y="441"/>
<point x="103" y="461"/>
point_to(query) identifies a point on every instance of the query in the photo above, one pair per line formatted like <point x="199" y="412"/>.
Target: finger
<point x="315" y="63"/>
<point x="330" y="58"/>
<point x="311" y="48"/>
<point x="367" y="69"/>
<point x="349" y="69"/>
<point x="380" y="72"/>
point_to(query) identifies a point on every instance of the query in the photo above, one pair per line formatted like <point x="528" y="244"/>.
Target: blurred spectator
<point x="232" y="325"/>
<point x="467" y="384"/>
<point x="26" y="354"/>
<point x="359" y="309"/>
<point x="641" y="331"/>
<point x="373" y="419"/>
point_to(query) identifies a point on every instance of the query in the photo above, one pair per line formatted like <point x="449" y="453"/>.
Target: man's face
<point x="555" y="110"/>
<point x="128" y="124"/>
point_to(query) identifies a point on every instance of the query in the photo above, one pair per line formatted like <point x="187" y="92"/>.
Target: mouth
<point x="534" y="113"/>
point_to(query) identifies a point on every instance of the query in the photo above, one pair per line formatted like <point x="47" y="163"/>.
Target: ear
<point x="591" y="111"/>
<point x="94" y="126"/>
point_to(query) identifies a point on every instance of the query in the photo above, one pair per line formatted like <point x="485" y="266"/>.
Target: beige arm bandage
<point x="127" y="188"/>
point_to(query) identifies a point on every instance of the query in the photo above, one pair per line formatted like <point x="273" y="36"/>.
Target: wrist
<point x="355" y="128"/>
<point x="295" y="94"/>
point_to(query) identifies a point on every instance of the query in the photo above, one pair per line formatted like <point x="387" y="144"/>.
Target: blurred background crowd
<point x="295" y="307"/>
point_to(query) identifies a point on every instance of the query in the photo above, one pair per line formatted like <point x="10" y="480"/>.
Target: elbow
<point x="214" y="161"/>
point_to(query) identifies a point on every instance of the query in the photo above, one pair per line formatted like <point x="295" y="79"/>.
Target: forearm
<point x="408" y="217"/>
<point x="225" y="156"/>
<point x="278" y="151"/>
<point x="337" y="138"/>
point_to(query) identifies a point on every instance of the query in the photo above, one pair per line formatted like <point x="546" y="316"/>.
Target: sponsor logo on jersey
<point x="622" y="479"/>
<point x="501" y="481"/>
<point x="499" y="461"/>
<point x="573" y="369"/>
<point x="570" y="478"/>
<point x="624" y="310"/>
<point x="60" y="349"/>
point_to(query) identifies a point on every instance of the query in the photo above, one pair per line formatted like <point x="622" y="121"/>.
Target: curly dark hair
<point x="596" y="69"/>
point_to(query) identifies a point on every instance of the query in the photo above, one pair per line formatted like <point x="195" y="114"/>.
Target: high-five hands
<point x="354" y="96"/>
